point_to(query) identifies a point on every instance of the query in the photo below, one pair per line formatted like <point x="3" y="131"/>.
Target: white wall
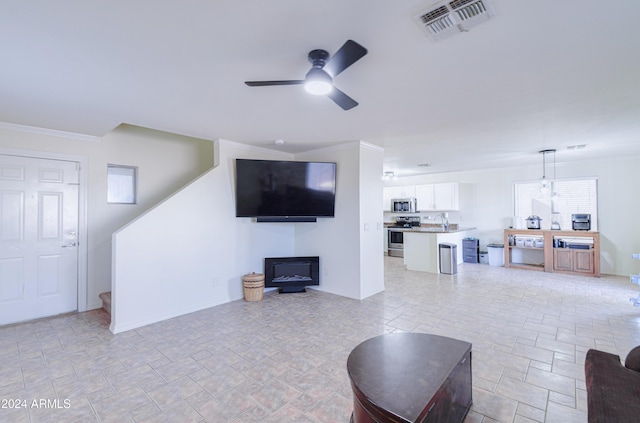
<point x="486" y="202"/>
<point x="336" y="240"/>
<point x="190" y="251"/>
<point x="166" y="162"/>
<point x="351" y="262"/>
<point x="371" y="225"/>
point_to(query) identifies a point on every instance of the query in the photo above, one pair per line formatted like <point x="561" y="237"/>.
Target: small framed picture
<point x="122" y="184"/>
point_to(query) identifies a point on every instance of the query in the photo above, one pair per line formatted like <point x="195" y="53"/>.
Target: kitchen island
<point x="421" y="246"/>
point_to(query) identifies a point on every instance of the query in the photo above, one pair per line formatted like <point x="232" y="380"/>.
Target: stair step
<point x="106" y="301"/>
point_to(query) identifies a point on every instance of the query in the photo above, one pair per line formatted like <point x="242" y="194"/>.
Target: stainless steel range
<point x="395" y="238"/>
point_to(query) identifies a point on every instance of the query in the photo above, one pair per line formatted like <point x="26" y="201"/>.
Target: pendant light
<point x="554" y="194"/>
<point x="545" y="184"/>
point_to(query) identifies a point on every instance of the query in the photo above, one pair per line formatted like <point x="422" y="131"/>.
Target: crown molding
<point x="49" y="132"/>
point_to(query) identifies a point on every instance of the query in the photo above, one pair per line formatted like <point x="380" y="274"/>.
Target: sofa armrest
<point x="613" y="391"/>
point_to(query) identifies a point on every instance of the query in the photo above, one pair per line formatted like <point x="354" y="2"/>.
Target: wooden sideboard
<point x="554" y="257"/>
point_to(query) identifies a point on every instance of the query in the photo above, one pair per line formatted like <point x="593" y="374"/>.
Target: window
<point x="122" y="184"/>
<point x="571" y="196"/>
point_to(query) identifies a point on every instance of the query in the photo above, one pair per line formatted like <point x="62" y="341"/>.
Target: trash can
<point x="448" y="258"/>
<point x="484" y="257"/>
<point x="253" y="285"/>
<point x="496" y="254"/>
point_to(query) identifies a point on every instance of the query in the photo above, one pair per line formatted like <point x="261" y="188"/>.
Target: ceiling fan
<point x="319" y="79"/>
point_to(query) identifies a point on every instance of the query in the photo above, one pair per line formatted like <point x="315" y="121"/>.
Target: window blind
<point x="571" y="196"/>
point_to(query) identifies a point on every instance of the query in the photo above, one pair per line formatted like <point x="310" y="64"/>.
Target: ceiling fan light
<point x="318" y="82"/>
<point x="318" y="87"/>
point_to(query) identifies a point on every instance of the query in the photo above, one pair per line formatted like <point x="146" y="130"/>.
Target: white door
<point x="38" y="238"/>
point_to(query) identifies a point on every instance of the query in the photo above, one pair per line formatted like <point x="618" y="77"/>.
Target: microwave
<point x="404" y="205"/>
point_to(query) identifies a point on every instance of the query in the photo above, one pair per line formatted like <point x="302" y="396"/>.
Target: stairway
<point x="106" y="301"/>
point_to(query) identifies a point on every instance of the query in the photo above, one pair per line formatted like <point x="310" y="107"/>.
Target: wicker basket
<point x="253" y="286"/>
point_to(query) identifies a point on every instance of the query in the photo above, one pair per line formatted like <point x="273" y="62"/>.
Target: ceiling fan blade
<point x="346" y="56"/>
<point x="269" y="83"/>
<point x="341" y="99"/>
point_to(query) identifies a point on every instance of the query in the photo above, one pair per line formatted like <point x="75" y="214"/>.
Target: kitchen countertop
<point x="432" y="229"/>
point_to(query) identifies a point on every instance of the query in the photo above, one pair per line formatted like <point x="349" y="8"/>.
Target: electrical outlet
<point x="215" y="281"/>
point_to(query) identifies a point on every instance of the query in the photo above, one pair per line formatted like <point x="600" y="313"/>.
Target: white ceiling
<point x="540" y="74"/>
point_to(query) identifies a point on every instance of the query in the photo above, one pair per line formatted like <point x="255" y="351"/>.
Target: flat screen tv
<point x="285" y="191"/>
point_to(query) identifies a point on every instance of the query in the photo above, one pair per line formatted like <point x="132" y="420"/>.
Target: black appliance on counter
<point x="407" y="222"/>
<point x="581" y="222"/>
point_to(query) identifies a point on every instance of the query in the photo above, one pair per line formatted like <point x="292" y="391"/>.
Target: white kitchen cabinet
<point x="389" y="193"/>
<point x="425" y="197"/>
<point x="446" y="196"/>
<point x="437" y="197"/>
<point x="403" y="191"/>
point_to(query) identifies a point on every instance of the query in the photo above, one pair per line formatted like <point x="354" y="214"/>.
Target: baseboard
<point x="117" y="328"/>
<point x="94" y="306"/>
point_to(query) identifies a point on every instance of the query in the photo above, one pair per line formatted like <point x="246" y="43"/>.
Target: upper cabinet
<point x="430" y="197"/>
<point x="438" y="197"/>
<point x="446" y="196"/>
<point x="425" y="197"/>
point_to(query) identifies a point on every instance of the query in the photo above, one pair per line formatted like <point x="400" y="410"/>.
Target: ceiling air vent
<point x="446" y="18"/>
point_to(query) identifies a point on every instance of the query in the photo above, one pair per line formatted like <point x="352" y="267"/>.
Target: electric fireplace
<point x="291" y="274"/>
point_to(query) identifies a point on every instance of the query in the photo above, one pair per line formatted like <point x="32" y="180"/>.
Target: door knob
<point x="70" y="245"/>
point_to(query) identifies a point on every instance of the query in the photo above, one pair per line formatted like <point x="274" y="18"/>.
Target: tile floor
<point x="283" y="359"/>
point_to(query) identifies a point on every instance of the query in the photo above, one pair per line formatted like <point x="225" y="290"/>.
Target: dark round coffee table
<point x="410" y="377"/>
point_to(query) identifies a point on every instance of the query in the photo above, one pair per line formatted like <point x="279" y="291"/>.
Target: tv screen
<point x="280" y="189"/>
